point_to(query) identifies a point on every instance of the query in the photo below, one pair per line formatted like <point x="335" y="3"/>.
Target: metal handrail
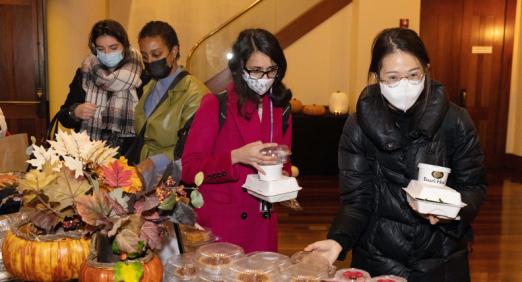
<point x="219" y="28"/>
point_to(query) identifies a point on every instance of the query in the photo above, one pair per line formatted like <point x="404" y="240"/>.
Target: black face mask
<point x="158" y="69"/>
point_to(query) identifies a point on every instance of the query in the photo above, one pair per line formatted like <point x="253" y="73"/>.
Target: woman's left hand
<point x="433" y="219"/>
<point x="250" y="154"/>
<point x="329" y="249"/>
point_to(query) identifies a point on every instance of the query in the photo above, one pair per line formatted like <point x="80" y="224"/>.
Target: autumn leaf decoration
<point x="196" y="199"/>
<point x="118" y="174"/>
<point x="132" y="218"/>
<point x="128" y="271"/>
<point x="7" y="180"/>
<point x="61" y="174"/>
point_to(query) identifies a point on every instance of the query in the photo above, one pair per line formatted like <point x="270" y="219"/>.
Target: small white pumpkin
<point x="338" y="103"/>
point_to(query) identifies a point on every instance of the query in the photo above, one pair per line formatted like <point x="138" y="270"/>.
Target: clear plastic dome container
<point x="214" y="259"/>
<point x="314" y="259"/>
<point x="258" y="267"/>
<point x="180" y="268"/>
<point x="304" y="272"/>
<point x="388" y="278"/>
<point x="282" y="152"/>
<point x="352" y="275"/>
<point x="278" y="259"/>
<point x="194" y="238"/>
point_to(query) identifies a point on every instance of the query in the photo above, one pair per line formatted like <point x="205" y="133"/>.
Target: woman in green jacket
<point x="164" y="107"/>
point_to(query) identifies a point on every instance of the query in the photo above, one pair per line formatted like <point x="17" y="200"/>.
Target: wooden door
<point x="470" y="43"/>
<point x="23" y="96"/>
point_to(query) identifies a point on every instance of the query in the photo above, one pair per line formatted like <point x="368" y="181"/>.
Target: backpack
<point x="222" y="115"/>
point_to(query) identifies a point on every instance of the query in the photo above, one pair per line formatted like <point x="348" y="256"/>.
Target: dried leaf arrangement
<point x="130" y="219"/>
<point x="61" y="174"/>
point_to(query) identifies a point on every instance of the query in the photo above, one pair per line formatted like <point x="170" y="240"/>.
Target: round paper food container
<point x="272" y="172"/>
<point x="432" y="174"/>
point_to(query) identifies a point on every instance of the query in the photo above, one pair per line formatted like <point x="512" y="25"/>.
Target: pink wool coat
<point x="229" y="211"/>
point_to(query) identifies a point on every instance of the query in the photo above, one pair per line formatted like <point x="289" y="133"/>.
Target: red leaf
<point x="150" y="233"/>
<point x="146" y="204"/>
<point x="115" y="175"/>
<point x="93" y="209"/>
<point x="44" y="219"/>
<point x="116" y="207"/>
<point x="151" y="215"/>
<point x="128" y="241"/>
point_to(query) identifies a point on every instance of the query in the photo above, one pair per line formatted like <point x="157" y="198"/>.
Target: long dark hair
<point x="162" y="29"/>
<point x="406" y="40"/>
<point x="111" y="28"/>
<point x="249" y="41"/>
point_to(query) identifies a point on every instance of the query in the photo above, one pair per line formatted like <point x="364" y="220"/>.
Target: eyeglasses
<point x="392" y="80"/>
<point x="258" y="74"/>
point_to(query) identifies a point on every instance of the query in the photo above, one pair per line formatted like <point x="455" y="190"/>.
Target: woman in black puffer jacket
<point x="404" y="120"/>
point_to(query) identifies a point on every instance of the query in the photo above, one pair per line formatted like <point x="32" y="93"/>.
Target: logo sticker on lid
<point x="437" y="174"/>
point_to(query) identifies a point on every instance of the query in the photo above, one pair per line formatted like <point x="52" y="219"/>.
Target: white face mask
<point x="404" y="95"/>
<point x="260" y="86"/>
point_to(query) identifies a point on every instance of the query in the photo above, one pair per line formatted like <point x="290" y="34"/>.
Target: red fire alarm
<point x="404" y="23"/>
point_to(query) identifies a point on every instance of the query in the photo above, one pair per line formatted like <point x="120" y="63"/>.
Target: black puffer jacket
<point x="377" y="159"/>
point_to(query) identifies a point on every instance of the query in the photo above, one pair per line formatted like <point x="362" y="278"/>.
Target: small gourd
<point x="314" y="110"/>
<point x="296" y="106"/>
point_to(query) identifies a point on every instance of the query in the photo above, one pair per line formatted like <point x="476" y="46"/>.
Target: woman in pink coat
<point x="227" y="153"/>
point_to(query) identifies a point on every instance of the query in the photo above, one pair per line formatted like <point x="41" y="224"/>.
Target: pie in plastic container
<point x="388" y="278"/>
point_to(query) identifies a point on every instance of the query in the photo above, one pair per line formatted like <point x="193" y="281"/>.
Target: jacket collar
<point x="249" y="129"/>
<point x="374" y="117"/>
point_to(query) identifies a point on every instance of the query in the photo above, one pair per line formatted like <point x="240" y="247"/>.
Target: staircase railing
<point x="289" y="20"/>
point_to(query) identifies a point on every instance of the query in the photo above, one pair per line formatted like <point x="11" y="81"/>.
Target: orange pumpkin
<point x="314" y="110"/>
<point x="296" y="106"/>
<point x="104" y="272"/>
<point x="57" y="260"/>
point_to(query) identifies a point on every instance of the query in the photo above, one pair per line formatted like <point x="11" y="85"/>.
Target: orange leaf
<point x="117" y="174"/>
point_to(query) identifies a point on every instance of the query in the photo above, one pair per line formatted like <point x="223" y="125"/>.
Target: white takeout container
<point x="429" y="192"/>
<point x="436" y="175"/>
<point x="286" y="188"/>
<point x="434" y="204"/>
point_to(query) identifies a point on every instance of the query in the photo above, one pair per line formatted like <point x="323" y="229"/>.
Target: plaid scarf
<point x="114" y="94"/>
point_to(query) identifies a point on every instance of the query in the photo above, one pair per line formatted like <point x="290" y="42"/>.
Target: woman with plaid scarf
<point x="103" y="93"/>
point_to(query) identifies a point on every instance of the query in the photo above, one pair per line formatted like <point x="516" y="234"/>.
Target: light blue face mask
<point x="109" y="60"/>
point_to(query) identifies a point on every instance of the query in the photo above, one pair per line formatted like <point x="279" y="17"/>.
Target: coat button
<point x="244" y="215"/>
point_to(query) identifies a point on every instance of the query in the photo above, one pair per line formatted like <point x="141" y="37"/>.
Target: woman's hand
<point x="329" y="249"/>
<point x="84" y="111"/>
<point x="433" y="219"/>
<point x="250" y="155"/>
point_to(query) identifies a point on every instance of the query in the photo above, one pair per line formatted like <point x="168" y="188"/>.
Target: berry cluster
<point x="163" y="192"/>
<point x="72" y="223"/>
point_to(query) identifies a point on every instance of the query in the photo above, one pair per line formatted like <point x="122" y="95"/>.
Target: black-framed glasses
<point x="258" y="74"/>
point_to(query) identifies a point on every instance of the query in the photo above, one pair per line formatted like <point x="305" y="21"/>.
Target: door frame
<point x="502" y="158"/>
